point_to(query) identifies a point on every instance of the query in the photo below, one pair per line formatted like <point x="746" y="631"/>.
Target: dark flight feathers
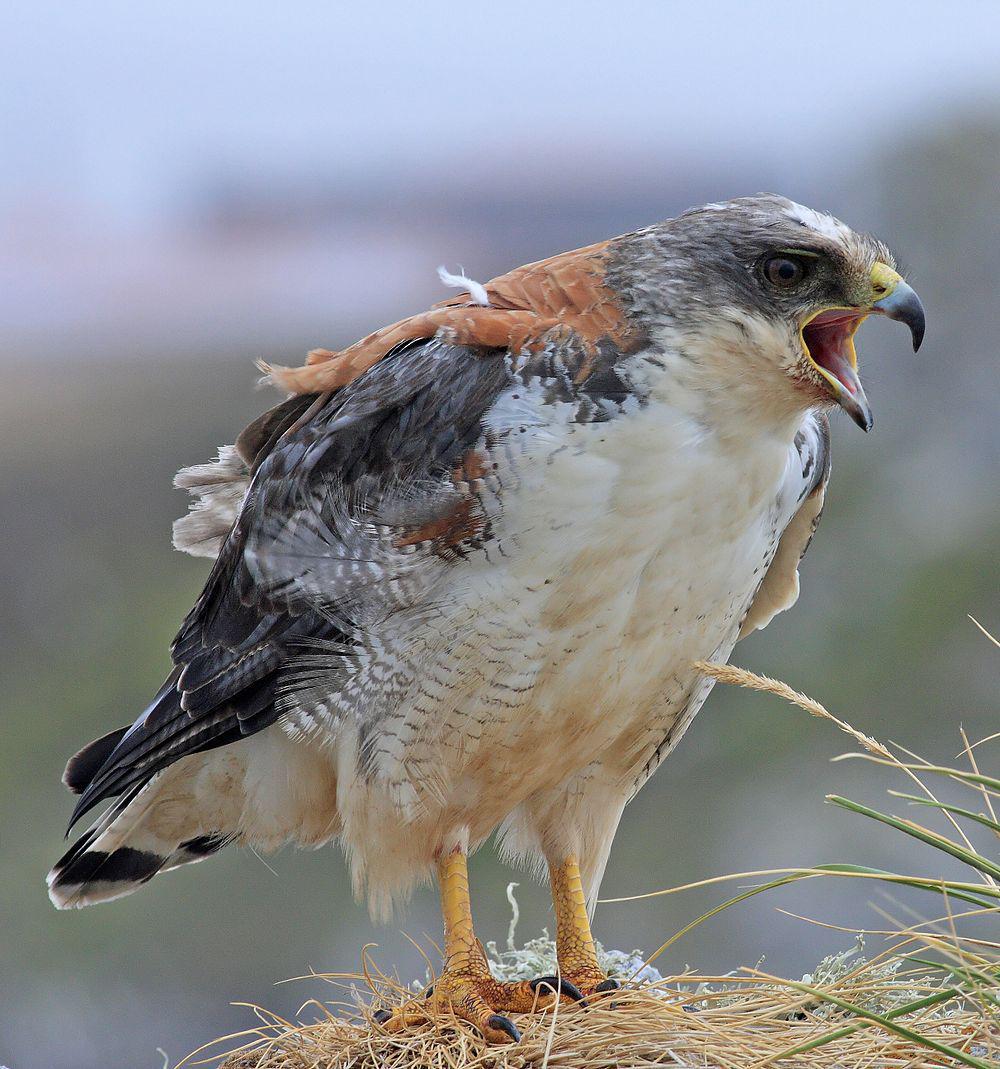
<point x="406" y="422"/>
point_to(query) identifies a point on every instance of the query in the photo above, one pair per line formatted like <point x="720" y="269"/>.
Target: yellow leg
<point x="574" y="941"/>
<point x="462" y="951"/>
<point x="465" y="988"/>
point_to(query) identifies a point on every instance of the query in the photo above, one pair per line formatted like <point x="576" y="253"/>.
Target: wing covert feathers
<point x="529" y="306"/>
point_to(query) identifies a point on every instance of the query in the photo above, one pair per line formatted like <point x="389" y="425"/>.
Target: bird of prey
<point x="461" y="574"/>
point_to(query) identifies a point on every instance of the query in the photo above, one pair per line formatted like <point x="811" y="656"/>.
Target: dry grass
<point x="932" y="999"/>
<point x="740" y="677"/>
<point x="751" y="1021"/>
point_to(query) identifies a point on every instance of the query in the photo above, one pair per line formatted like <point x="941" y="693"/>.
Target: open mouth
<point x="829" y="341"/>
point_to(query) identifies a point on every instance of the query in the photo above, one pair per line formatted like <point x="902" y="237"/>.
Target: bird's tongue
<point x="828" y="339"/>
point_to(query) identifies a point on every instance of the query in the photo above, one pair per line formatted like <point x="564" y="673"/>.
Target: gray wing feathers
<point x="219" y="487"/>
<point x="346" y="507"/>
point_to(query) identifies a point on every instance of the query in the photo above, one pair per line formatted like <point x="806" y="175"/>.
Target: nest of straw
<point x="717" y="1022"/>
<point x="931" y="1000"/>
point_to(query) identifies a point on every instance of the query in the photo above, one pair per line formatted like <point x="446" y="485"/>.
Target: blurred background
<point x="186" y="187"/>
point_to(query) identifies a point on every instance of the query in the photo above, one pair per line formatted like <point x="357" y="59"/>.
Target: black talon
<point x="505" y="1025"/>
<point x="608" y="985"/>
<point x="382" y="1015"/>
<point x="558" y="986"/>
<point x="429" y="991"/>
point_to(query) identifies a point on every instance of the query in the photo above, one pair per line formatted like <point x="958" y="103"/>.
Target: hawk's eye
<point x="784" y="272"/>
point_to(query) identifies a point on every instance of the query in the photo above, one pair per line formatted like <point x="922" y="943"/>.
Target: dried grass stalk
<point x="741" y="677"/>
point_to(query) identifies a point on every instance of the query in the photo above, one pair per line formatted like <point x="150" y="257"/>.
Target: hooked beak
<point x="900" y="302"/>
<point x="828" y="338"/>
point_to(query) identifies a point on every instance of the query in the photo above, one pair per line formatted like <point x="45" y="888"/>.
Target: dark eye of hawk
<point x="784" y="271"/>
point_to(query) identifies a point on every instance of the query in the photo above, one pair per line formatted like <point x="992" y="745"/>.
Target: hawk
<point x="461" y="573"/>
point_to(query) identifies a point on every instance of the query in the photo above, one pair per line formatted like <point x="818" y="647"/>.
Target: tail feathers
<point x="267" y="790"/>
<point x="126" y="848"/>
<point x="101" y="875"/>
<point x="197" y="849"/>
<point x="82" y="767"/>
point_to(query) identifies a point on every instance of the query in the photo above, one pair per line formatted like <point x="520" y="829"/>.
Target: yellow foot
<point x="472" y="994"/>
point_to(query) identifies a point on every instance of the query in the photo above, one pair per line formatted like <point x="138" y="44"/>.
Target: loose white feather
<point x="476" y="289"/>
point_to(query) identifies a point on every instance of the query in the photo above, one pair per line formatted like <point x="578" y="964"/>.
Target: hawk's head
<point x="766" y="295"/>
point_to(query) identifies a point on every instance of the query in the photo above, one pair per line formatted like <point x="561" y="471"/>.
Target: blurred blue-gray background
<point x="186" y="187"/>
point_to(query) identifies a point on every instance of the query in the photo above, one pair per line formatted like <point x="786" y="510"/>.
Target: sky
<point x="125" y="129"/>
<point x="116" y="109"/>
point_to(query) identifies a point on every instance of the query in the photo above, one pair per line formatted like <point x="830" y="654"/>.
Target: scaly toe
<point x="590" y="981"/>
<point x="558" y="985"/>
<point x="474" y="998"/>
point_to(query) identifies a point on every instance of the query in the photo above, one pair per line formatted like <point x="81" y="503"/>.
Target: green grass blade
<point x="976" y="778"/>
<point x="965" y="892"/>
<point x="972" y="778"/>
<point x="983" y="983"/>
<point x="939" y="842"/>
<point x="770" y="885"/>
<point x="958" y="811"/>
<point x="955" y="890"/>
<point x="886" y="1021"/>
<point x="849" y="1029"/>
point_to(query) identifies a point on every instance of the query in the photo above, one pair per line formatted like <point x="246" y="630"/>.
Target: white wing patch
<point x="218" y="489"/>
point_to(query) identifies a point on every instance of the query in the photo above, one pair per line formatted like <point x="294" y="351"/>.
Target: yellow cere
<point x="884" y="280"/>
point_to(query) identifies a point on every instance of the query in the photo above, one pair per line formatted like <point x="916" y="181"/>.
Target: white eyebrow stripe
<point x="819" y="222"/>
